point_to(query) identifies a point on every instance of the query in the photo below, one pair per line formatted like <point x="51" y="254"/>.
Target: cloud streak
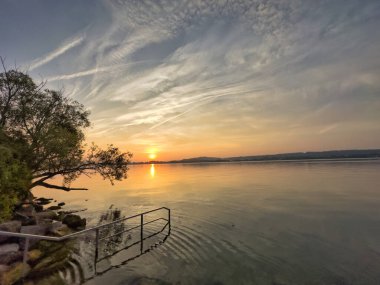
<point x="67" y="45"/>
<point x="244" y="73"/>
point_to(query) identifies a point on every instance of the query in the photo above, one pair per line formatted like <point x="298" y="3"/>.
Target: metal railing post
<point x="169" y="220"/>
<point x="96" y="248"/>
<point x="142" y="233"/>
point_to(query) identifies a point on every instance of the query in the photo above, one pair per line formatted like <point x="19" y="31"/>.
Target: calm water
<point x="248" y="223"/>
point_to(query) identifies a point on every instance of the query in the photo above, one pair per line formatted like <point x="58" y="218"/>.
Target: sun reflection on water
<point x="152" y="170"/>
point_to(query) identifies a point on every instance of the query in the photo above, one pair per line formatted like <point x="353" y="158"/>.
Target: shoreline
<point x="354" y="159"/>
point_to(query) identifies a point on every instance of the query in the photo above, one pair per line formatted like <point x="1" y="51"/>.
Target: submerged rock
<point x="148" y="281"/>
<point x="74" y="221"/>
<point x="43" y="201"/>
<point x="54" y="208"/>
<point x="55" y="256"/>
<point x="55" y="279"/>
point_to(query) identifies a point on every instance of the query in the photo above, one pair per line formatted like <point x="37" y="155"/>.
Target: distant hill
<point x="332" y="154"/>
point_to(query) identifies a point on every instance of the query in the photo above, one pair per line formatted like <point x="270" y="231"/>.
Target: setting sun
<point x="152" y="156"/>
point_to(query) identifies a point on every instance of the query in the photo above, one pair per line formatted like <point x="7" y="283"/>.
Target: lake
<point x="246" y="223"/>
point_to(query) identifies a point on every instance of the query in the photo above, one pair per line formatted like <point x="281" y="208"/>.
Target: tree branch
<point x="47" y="185"/>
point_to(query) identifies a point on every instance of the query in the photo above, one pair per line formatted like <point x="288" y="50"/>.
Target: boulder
<point x="35" y="230"/>
<point x="61" y="204"/>
<point x="43" y="201"/>
<point x="26" y="210"/>
<point x="9" y="247"/>
<point x="12" y="226"/>
<point x="74" y="221"/>
<point x="41" y="229"/>
<point x="61" y="231"/>
<point x="54" y="208"/>
<point x="11" y="257"/>
<point x="25" y="221"/>
<point x="46" y="215"/>
<point x="10" y="253"/>
<point x="38" y="207"/>
<point x="3" y="268"/>
<point x="15" y="273"/>
<point x="54" y="225"/>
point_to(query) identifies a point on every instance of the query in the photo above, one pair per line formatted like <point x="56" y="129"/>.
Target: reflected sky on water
<point x="249" y="223"/>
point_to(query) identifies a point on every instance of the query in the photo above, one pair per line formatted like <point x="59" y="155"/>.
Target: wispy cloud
<point x="67" y="45"/>
<point x="80" y="73"/>
<point x="241" y="72"/>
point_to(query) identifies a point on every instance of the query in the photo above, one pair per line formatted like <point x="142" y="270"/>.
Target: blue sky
<point x="219" y="78"/>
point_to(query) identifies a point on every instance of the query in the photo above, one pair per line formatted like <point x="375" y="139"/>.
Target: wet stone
<point x="35" y="230"/>
<point x="43" y="201"/>
<point x="12" y="226"/>
<point x="74" y="221"/>
<point x="54" y="208"/>
<point x="11" y="257"/>
<point x="45" y="215"/>
<point x="9" y="247"/>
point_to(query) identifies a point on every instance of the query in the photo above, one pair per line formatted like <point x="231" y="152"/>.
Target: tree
<point x="47" y="130"/>
<point x="15" y="179"/>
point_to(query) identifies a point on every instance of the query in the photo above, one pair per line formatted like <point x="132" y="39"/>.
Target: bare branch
<point x="64" y="188"/>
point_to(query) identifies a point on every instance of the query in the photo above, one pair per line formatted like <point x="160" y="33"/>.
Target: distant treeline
<point x="333" y="154"/>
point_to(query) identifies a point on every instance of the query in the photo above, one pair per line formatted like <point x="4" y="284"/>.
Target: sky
<point x="219" y="78"/>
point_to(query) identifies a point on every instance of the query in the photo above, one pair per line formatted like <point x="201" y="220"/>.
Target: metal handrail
<point x="28" y="237"/>
<point x="13" y="234"/>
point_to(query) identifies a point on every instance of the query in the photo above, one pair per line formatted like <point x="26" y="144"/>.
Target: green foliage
<point x="46" y="130"/>
<point x="14" y="181"/>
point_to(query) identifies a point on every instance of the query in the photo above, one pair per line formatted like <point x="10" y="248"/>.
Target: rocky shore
<point x="43" y="257"/>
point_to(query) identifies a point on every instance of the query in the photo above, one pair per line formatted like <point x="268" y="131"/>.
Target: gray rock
<point x="38" y="207"/>
<point x="43" y="201"/>
<point x="74" y="221"/>
<point x="45" y="215"/>
<point x="10" y="253"/>
<point x="9" y="247"/>
<point x="26" y="210"/>
<point x="35" y="230"/>
<point x="61" y="231"/>
<point x="11" y="257"/>
<point x="41" y="229"/>
<point x="55" y="225"/>
<point x="54" y="208"/>
<point x="3" y="268"/>
<point x="12" y="226"/>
